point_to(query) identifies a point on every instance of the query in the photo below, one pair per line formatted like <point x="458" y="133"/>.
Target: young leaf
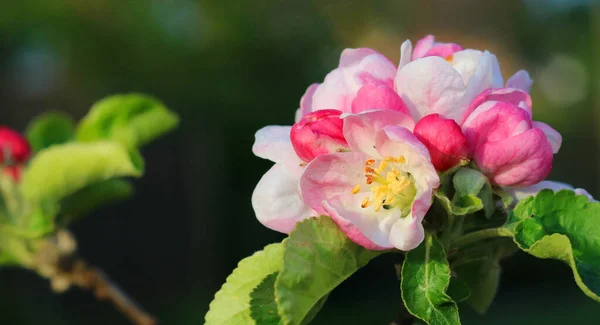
<point x="49" y="129"/>
<point x="468" y="203"/>
<point x="231" y="305"/>
<point x="131" y="119"/>
<point x="90" y="197"/>
<point x="62" y="170"/>
<point x="470" y="183"/>
<point x="318" y="257"/>
<point x="562" y="226"/>
<point x="482" y="276"/>
<point x="424" y="281"/>
<point x="263" y="308"/>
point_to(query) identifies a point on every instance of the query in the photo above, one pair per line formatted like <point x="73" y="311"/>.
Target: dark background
<point x="229" y="68"/>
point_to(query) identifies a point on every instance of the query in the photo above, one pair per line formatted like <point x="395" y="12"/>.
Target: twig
<point x="96" y="280"/>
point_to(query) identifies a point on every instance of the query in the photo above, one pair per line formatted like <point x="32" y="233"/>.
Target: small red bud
<point x="318" y="133"/>
<point x="14" y="148"/>
<point x="444" y="138"/>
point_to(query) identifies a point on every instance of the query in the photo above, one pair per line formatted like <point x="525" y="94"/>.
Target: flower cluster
<point x="369" y="142"/>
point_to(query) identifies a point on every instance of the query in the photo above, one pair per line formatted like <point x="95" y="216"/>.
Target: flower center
<point x="390" y="187"/>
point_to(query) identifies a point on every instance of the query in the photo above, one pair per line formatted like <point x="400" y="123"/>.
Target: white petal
<point x="276" y="200"/>
<point x="273" y="142"/>
<point x="431" y="85"/>
<point x="520" y="80"/>
<point x="553" y="136"/>
<point x="405" y="53"/>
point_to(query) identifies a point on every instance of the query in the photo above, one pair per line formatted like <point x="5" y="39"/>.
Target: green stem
<point x="481" y="235"/>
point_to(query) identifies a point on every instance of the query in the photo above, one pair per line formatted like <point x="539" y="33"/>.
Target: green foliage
<point x="231" y="305"/>
<point x="562" y="226"/>
<point x="318" y="257"/>
<point x="61" y="170"/>
<point x="131" y="119"/>
<point x="91" y="197"/>
<point x="263" y="308"/>
<point x="482" y="276"/>
<point x="425" y="278"/>
<point x="49" y="129"/>
<point x="469" y="192"/>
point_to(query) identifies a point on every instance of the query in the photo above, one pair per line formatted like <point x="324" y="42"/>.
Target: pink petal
<point x="513" y="96"/>
<point x="520" y="80"/>
<point x="551" y="134"/>
<point x="408" y="232"/>
<point x="371" y="97"/>
<point x="484" y="73"/>
<point x="394" y="141"/>
<point x="423" y="46"/>
<point x="330" y="175"/>
<point x="276" y="200"/>
<point x="362" y="226"/>
<point x="431" y="85"/>
<point x="443" y="50"/>
<point x="517" y="161"/>
<point x="360" y="129"/>
<point x="357" y="67"/>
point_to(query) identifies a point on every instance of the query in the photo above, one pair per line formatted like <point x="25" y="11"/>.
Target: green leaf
<point x="231" y="305"/>
<point x="424" y="283"/>
<point x="61" y="170"/>
<point x="458" y="290"/>
<point x="562" y="226"/>
<point x="466" y="205"/>
<point x="49" y="129"/>
<point x="473" y="190"/>
<point x="263" y="308"/>
<point x="482" y="276"/>
<point x="131" y="119"/>
<point x="318" y="257"/>
<point x="91" y="197"/>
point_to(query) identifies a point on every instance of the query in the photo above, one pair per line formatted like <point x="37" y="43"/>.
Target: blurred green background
<point x="229" y="68"/>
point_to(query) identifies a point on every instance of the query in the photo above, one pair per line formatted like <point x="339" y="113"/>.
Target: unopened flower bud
<point x="318" y="133"/>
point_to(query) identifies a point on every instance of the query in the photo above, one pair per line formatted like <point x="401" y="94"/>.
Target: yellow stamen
<point x="387" y="183"/>
<point x="449" y="58"/>
<point x="356" y="189"/>
<point x="366" y="203"/>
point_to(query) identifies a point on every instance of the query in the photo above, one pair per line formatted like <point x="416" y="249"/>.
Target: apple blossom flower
<point x="380" y="191"/>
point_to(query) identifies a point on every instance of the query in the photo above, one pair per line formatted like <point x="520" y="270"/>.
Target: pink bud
<point x="14" y="148"/>
<point x="371" y="97"/>
<point x="443" y="137"/>
<point x="427" y="46"/>
<point x="318" y="133"/>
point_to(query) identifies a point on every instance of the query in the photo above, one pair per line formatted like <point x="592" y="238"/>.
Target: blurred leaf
<point x="482" y="275"/>
<point x="49" y="129"/>
<point x="231" y="305"/>
<point x="132" y="119"/>
<point x="566" y="227"/>
<point x="318" y="257"/>
<point x="62" y="170"/>
<point x="424" y="283"/>
<point x="458" y="290"/>
<point x="263" y="307"/>
<point x="91" y="197"/>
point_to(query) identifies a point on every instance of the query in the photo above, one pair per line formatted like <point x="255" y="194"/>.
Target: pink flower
<point x="14" y="148"/>
<point x="444" y="139"/>
<point x="504" y="142"/>
<point x="318" y="133"/>
<point x="379" y="193"/>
